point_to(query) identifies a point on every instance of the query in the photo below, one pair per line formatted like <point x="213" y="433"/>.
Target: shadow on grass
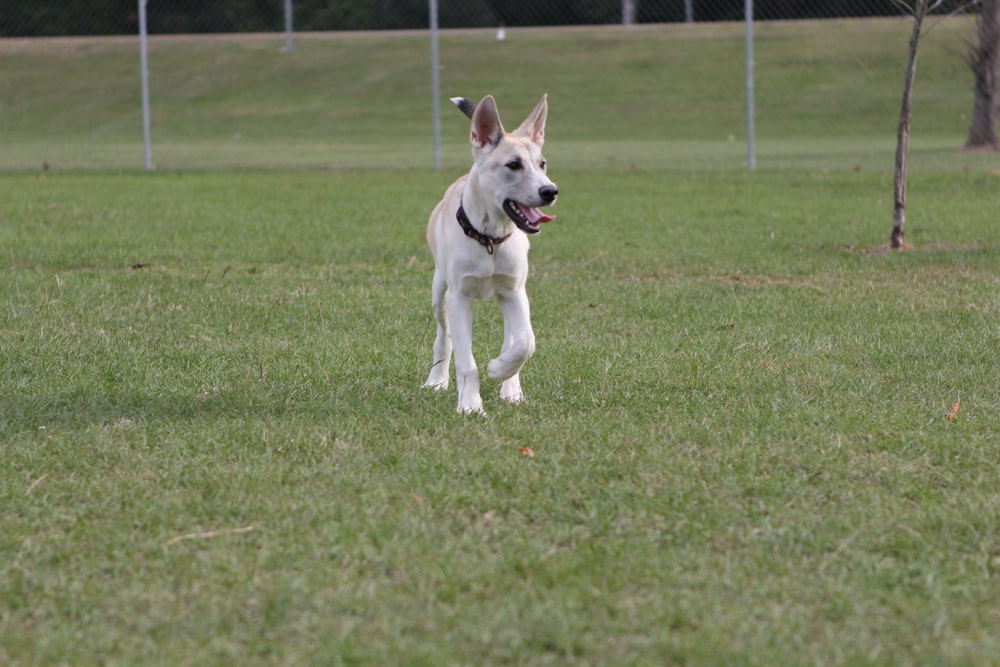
<point x="78" y="409"/>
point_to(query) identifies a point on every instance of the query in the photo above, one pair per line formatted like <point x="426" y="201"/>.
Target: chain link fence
<point x="643" y="83"/>
<point x="113" y="17"/>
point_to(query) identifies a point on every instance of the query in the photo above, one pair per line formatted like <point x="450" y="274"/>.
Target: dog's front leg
<point x="518" y="345"/>
<point x="466" y="373"/>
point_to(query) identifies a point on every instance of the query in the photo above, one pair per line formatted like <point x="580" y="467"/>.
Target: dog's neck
<point x="485" y="240"/>
<point x="486" y="220"/>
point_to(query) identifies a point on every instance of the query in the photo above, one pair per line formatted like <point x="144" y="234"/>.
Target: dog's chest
<point x="488" y="286"/>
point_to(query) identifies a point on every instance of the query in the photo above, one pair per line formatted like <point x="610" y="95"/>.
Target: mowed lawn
<point x="753" y="435"/>
<point x="216" y="448"/>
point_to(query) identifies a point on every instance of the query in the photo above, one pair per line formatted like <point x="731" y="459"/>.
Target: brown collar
<point x="488" y="242"/>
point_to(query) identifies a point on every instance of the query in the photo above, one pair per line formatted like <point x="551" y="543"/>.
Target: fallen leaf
<point x="954" y="410"/>
<point x="527" y="451"/>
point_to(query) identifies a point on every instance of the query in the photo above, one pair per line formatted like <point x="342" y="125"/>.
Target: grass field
<point x="215" y="449"/>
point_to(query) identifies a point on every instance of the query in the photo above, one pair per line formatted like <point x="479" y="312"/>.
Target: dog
<point x="478" y="234"/>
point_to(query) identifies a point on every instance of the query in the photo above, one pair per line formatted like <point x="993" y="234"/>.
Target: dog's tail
<point x="466" y="106"/>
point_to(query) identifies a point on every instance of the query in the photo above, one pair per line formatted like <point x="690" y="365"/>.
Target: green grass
<point x="215" y="449"/>
<point x="827" y="95"/>
<point x="736" y="411"/>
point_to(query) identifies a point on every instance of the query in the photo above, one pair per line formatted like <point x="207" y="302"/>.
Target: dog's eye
<point x="515" y="165"/>
<point x="542" y="164"/>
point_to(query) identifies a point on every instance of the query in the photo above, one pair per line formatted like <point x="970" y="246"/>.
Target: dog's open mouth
<point x="528" y="219"/>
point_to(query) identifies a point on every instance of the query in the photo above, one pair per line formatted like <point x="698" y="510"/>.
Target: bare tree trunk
<point x="983" y="59"/>
<point x="903" y="135"/>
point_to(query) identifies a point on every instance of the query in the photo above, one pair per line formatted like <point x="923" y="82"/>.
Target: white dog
<point x="478" y="235"/>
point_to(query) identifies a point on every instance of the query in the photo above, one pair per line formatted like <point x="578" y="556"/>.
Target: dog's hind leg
<point x="518" y="345"/>
<point x="440" y="369"/>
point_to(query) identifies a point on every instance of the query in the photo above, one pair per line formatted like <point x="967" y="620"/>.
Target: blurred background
<point x="632" y="84"/>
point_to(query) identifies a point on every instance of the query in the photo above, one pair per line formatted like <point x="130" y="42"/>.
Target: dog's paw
<point x="435" y="386"/>
<point x="516" y="398"/>
<point x="472" y="410"/>
<point x="498" y="370"/>
<point x="510" y="390"/>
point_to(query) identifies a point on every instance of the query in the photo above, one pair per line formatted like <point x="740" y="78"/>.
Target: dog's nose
<point x="548" y="193"/>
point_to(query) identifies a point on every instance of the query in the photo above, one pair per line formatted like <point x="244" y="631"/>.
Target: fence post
<point x="628" y="12"/>
<point x="288" y="25"/>
<point x="751" y="153"/>
<point x="435" y="84"/>
<point x="144" y="64"/>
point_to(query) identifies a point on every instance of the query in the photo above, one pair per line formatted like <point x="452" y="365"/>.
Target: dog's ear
<point x="533" y="126"/>
<point x="486" y="127"/>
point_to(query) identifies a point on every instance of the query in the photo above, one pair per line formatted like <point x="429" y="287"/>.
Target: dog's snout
<point x="548" y="193"/>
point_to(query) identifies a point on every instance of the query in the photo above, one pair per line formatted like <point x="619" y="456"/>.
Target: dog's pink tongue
<point x="534" y="215"/>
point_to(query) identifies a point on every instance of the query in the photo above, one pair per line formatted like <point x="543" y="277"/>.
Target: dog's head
<point x="510" y="166"/>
